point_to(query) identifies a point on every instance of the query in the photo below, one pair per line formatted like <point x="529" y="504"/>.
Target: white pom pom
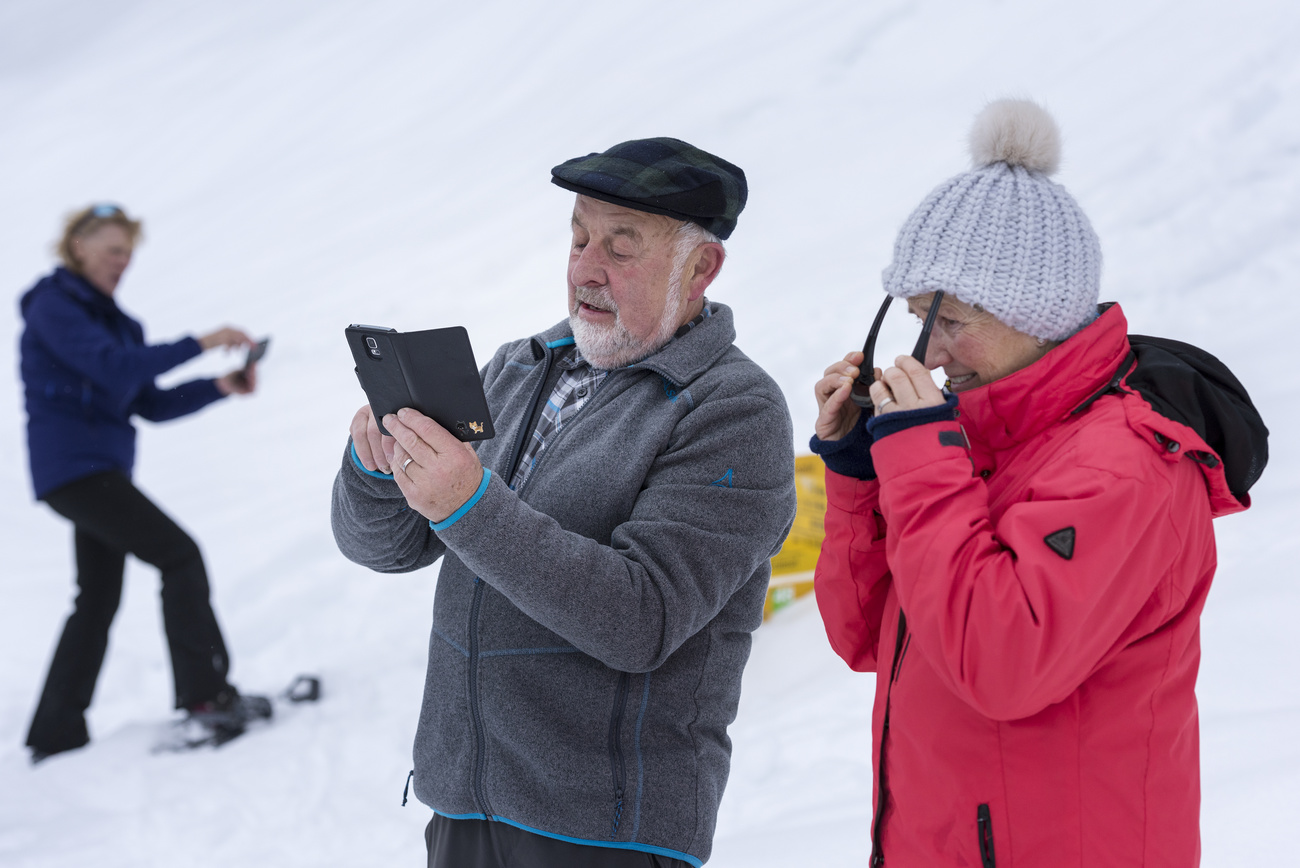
<point x="1016" y="132"/>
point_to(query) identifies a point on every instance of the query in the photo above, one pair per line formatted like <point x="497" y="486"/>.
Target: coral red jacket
<point x="1038" y="708"/>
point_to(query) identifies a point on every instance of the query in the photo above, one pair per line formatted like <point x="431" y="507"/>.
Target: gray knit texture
<point x="1006" y="238"/>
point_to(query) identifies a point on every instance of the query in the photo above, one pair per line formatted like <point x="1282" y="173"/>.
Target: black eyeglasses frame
<point x="861" y="392"/>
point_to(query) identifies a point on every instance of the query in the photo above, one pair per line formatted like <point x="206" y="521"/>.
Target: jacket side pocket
<point x="984" y="827"/>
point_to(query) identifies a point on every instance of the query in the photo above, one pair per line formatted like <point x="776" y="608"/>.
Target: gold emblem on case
<point x="476" y="427"/>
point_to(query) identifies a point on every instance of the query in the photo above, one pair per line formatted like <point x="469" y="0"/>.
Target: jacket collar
<point x="1023" y="404"/>
<point x="680" y="360"/>
<point x="78" y="286"/>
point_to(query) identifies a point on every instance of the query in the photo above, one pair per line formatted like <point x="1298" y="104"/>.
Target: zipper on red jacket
<point x="984" y="826"/>
<point x="882" y="790"/>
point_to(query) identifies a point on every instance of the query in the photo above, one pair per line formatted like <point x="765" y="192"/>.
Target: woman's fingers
<point x="906" y="386"/>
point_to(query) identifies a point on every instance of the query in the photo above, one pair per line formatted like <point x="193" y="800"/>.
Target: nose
<point x="936" y="354"/>
<point x="587" y="267"/>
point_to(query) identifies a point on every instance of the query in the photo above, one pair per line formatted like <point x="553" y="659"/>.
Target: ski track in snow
<point x="305" y="165"/>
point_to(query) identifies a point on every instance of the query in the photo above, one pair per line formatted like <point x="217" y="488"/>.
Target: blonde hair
<point x="90" y="220"/>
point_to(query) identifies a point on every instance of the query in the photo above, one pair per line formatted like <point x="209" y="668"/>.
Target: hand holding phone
<point x="432" y="371"/>
<point x="240" y="379"/>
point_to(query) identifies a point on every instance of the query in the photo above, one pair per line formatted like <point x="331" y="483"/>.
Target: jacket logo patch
<point x="723" y="481"/>
<point x="1061" y="542"/>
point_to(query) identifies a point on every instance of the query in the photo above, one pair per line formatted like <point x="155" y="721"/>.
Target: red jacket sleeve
<point x="852" y="578"/>
<point x="1008" y="623"/>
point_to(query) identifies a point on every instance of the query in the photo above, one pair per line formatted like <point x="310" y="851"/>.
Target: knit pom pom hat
<point x="1003" y="236"/>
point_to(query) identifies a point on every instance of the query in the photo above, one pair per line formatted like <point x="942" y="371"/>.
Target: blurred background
<point x="303" y="165"/>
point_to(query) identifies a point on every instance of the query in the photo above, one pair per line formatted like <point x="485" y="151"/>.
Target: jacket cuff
<point x="466" y="506"/>
<point x="381" y="485"/>
<point x="850" y="455"/>
<point x="891" y="423"/>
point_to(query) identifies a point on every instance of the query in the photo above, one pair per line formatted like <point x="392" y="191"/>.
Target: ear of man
<point x="709" y="257"/>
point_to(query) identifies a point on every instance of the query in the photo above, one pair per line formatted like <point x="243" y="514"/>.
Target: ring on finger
<point x="406" y="462"/>
<point x="882" y="404"/>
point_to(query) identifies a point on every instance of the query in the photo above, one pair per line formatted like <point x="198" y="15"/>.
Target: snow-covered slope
<point x="302" y="165"/>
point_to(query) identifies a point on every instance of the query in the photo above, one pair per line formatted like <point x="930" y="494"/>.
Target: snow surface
<point x="302" y="165"/>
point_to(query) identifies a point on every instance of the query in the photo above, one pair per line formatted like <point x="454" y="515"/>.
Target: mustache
<point x="601" y="298"/>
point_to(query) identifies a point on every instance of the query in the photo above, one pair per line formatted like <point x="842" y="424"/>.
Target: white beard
<point x="612" y="346"/>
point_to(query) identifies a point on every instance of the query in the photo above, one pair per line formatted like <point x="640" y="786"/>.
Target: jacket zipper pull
<point x="406" y="789"/>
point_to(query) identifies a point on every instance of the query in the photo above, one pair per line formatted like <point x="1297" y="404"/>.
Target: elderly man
<point x="606" y="556"/>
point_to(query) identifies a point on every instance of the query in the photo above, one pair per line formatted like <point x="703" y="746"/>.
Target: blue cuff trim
<point x="562" y="342"/>
<point x="892" y="423"/>
<point x="464" y="507"/>
<point x="357" y="461"/>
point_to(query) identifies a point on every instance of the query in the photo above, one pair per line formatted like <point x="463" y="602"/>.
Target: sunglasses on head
<point x="98" y="212"/>
<point x="861" y="392"/>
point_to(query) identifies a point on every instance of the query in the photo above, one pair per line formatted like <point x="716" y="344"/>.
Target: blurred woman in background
<point x="1023" y="557"/>
<point x="86" y="371"/>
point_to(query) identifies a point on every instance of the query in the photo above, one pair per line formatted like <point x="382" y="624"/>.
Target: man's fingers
<point x="361" y="439"/>
<point x="421" y="437"/>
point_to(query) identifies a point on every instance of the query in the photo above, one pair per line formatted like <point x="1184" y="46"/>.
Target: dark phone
<point x="256" y="352"/>
<point x="432" y="371"/>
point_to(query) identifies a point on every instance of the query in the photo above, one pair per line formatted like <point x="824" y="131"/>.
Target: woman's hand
<point x="227" y="337"/>
<point x="240" y="382"/>
<point x="906" y="386"/>
<point x="836" y="412"/>
<point x="375" y="450"/>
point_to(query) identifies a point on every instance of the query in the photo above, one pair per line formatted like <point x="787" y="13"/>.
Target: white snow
<point x="302" y="165"/>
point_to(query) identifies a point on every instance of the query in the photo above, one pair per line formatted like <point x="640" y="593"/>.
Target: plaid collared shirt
<point x="577" y="383"/>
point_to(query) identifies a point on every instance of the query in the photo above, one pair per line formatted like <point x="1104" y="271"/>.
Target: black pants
<point x="480" y="844"/>
<point x="112" y="519"/>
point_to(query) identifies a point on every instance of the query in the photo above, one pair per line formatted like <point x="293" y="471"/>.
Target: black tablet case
<point x="432" y="371"/>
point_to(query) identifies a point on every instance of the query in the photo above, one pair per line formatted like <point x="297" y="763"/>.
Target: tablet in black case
<point x="432" y="371"/>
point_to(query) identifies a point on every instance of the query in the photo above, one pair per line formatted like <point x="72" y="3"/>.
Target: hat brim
<point x="630" y="203"/>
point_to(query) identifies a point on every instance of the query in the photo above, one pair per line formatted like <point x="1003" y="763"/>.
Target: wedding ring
<point x="882" y="404"/>
<point x="406" y="462"/>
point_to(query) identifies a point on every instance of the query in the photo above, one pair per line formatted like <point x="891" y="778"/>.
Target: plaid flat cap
<point x="661" y="176"/>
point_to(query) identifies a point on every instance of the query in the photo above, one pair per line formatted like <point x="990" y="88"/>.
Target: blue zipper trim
<point x="562" y="342"/>
<point x="357" y="461"/>
<point x="465" y="507"/>
<point x="616" y="845"/>
<point x="518" y="451"/>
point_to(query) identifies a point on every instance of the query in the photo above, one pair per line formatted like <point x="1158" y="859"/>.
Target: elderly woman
<point x="87" y="370"/>
<point x="1022" y="558"/>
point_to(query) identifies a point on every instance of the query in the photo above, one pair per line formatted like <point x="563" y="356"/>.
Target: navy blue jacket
<point x="86" y="371"/>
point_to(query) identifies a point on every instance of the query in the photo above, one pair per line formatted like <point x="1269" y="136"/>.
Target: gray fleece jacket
<point x="589" y="630"/>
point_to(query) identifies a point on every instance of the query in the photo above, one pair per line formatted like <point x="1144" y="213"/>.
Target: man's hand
<point x="443" y="472"/>
<point x="374" y="449"/>
<point x="907" y="386"/>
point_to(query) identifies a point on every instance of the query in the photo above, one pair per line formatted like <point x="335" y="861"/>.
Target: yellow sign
<point x="792" y="568"/>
